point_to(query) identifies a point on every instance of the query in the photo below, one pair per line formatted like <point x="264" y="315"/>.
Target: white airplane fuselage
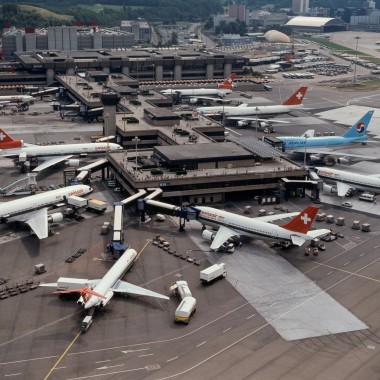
<point x="17" y="98"/>
<point x="108" y="281"/>
<point x="197" y="92"/>
<point x="358" y="181"/>
<point x="245" y="226"/>
<point x="248" y="111"/>
<point x="60" y="150"/>
<point x="38" y="201"/>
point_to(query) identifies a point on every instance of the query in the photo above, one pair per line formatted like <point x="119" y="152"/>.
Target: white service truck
<point x="86" y="323"/>
<point x="185" y="310"/>
<point x="181" y="289"/>
<point x="213" y="273"/>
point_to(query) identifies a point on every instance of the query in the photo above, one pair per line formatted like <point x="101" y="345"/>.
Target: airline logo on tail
<point x="297" y="98"/>
<point x="228" y="83"/>
<point x="303" y="221"/>
<point x="6" y="141"/>
<point x="359" y="129"/>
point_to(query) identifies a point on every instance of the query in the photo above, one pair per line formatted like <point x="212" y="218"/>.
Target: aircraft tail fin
<point x="303" y="221"/>
<point x="7" y="142"/>
<point x="227" y="84"/>
<point x="83" y="291"/>
<point x="297" y="98"/>
<point x="359" y="129"/>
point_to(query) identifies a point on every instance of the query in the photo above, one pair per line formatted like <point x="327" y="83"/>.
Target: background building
<point x="300" y="6"/>
<point x="140" y="29"/>
<point x="238" y="12"/>
<point x="303" y="24"/>
<point x="63" y="38"/>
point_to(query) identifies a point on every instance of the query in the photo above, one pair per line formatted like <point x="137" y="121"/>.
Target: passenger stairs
<point x="26" y="183"/>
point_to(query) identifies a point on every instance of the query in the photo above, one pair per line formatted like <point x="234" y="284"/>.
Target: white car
<point x="347" y="204"/>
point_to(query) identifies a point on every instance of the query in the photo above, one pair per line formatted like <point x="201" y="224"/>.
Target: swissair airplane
<point x="17" y="98"/>
<point x="50" y="155"/>
<point x="318" y="147"/>
<point x="346" y="181"/>
<point x="97" y="293"/>
<point x="32" y="210"/>
<point x="245" y="114"/>
<point x="197" y="94"/>
<point x="295" y="232"/>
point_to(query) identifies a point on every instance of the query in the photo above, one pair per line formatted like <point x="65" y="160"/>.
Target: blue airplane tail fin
<point x="359" y="128"/>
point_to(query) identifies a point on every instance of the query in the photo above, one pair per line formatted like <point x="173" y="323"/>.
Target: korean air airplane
<point x="357" y="133"/>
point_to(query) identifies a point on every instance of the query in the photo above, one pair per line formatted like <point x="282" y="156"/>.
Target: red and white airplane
<point x="6" y="141"/>
<point x="196" y="94"/>
<point x="244" y="114"/>
<point x="295" y="232"/>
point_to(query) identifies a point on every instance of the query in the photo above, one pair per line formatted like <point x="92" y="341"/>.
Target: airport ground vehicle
<point x="86" y="323"/>
<point x="346" y="204"/>
<point x="367" y="197"/>
<point x="181" y="289"/>
<point x="185" y="310"/>
<point x="95" y="205"/>
<point x="213" y="273"/>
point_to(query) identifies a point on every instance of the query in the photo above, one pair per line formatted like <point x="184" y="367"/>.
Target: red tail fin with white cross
<point x="228" y="83"/>
<point x="297" y="98"/>
<point x="303" y="221"/>
<point x="6" y="141"/>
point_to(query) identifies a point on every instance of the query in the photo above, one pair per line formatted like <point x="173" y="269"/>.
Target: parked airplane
<point x="244" y="114"/>
<point x="310" y="145"/>
<point x="17" y="98"/>
<point x="296" y="231"/>
<point x="196" y="94"/>
<point x="32" y="210"/>
<point x="377" y="43"/>
<point x="346" y="181"/>
<point x="6" y="141"/>
<point x="97" y="293"/>
<point x="54" y="154"/>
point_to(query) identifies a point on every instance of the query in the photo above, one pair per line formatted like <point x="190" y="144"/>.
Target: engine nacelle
<point x="108" y="296"/>
<point x="56" y="217"/>
<point x="329" y="189"/>
<point x="315" y="158"/>
<point x="263" y="124"/>
<point x="241" y="123"/>
<point x="343" y="161"/>
<point x="193" y="100"/>
<point x="222" y="94"/>
<point x="72" y="162"/>
<point x="208" y="235"/>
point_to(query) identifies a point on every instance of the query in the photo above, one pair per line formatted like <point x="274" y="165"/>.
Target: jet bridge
<point x="117" y="246"/>
<point x="184" y="212"/>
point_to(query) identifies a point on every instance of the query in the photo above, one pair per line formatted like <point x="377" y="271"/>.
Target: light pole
<point x="136" y="140"/>
<point x="304" y="156"/>
<point x="124" y="113"/>
<point x="357" y="38"/>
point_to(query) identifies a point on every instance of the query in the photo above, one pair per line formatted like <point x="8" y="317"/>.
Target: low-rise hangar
<point x="305" y="24"/>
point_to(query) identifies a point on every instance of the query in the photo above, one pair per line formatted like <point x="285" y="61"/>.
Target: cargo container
<point x="181" y="289"/>
<point x="96" y="206"/>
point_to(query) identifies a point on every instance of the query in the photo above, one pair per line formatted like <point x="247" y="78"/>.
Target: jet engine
<point x="72" y="162"/>
<point x="328" y="189"/>
<point x="222" y="94"/>
<point x="193" y="100"/>
<point x="56" y="217"/>
<point x="208" y="235"/>
<point x="315" y="158"/>
<point x="343" y="161"/>
<point x="242" y="123"/>
<point x="108" y="296"/>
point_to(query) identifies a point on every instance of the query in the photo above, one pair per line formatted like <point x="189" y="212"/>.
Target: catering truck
<point x="181" y="289"/>
<point x="185" y="310"/>
<point x="213" y="273"/>
<point x="95" y="205"/>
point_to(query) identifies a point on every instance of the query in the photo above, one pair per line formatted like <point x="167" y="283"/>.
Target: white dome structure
<point x="276" y="36"/>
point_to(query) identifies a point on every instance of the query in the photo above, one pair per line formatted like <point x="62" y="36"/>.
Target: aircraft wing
<point x="51" y="162"/>
<point x="317" y="233"/>
<point x="125" y="287"/>
<point x="36" y="220"/>
<point x="271" y="218"/>
<point x="223" y="234"/>
<point x="336" y="153"/>
<point x="342" y="188"/>
<point x="216" y="100"/>
<point x="252" y="118"/>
